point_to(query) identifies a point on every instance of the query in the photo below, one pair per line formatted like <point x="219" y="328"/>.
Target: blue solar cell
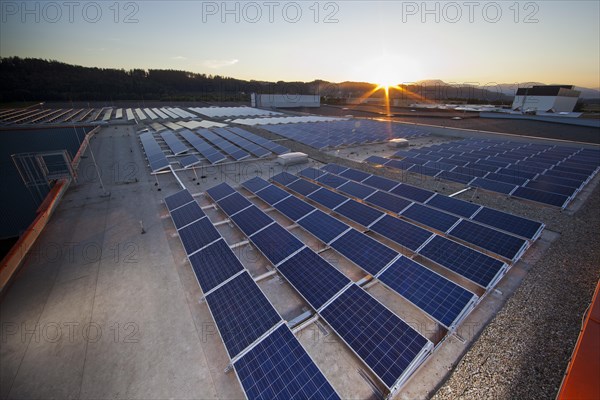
<point x="276" y="243"/>
<point x="575" y="184"/>
<point x="367" y="253"/>
<point x="487" y="238"/>
<point x="323" y="226"/>
<point x="313" y="277"/>
<point x="327" y="198"/>
<point x="381" y="339"/>
<point x="214" y="265"/>
<point x="233" y="203"/>
<point x="568" y="175"/>
<point x="510" y="223"/>
<point x="255" y="184"/>
<point x="376" y="160"/>
<point x="553" y="199"/>
<point x="303" y="187"/>
<point x="380" y="183"/>
<point x="401" y="232"/>
<point x="356" y="189"/>
<point x="412" y="192"/>
<point x="311" y="173"/>
<point x="454" y="206"/>
<point x="359" y="212"/>
<point x="220" y="191"/>
<point x="482" y="167"/>
<point x="551" y="187"/>
<point x="571" y="169"/>
<point x="439" y="297"/>
<point x="272" y="194"/>
<point x="279" y="368"/>
<point x="197" y="235"/>
<point x="471" y="264"/>
<point x="512" y="179"/>
<point x="471" y="172"/>
<point x="189" y="161"/>
<point x="430" y="217"/>
<point x="516" y="173"/>
<point x="284" y="178"/>
<point x="251" y="220"/>
<point x="332" y="180"/>
<point x="178" y="199"/>
<point x="186" y="214"/>
<point x="294" y="208"/>
<point x="242" y="313"/>
<point x="334" y="168"/>
<point x="355" y="175"/>
<point x="214" y="158"/>
<point x="388" y="201"/>
<point x="494" y="186"/>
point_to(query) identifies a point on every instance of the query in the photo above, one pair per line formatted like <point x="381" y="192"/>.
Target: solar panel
<point x="381" y="339"/>
<point x="327" y="198"/>
<point x="332" y="180"/>
<point x="512" y="179"/>
<point x="279" y="368"/>
<point x="359" y="213"/>
<point x="178" y="199"/>
<point x="454" y="206"/>
<point x="551" y="187"/>
<point x="439" y="297"/>
<point x="272" y="194"/>
<point x="334" y="168"/>
<point x="575" y="184"/>
<point x="367" y="253"/>
<point x="323" y="226"/>
<point x="510" y="223"/>
<point x="412" y="192"/>
<point x="220" y="191"/>
<point x="377" y="160"/>
<point x="303" y="187"/>
<point x="473" y="265"/>
<point x="471" y="172"/>
<point x="255" y="184"/>
<point x="176" y="145"/>
<point x="242" y="313"/>
<point x="215" y="264"/>
<point x="186" y="214"/>
<point x="197" y="235"/>
<point x="276" y="243"/>
<point x="430" y="217"/>
<point x="294" y="208"/>
<point x="553" y="199"/>
<point x="189" y="161"/>
<point x="455" y="177"/>
<point x="380" y="183"/>
<point x="311" y="173"/>
<point x="284" y="178"/>
<point x="234" y="203"/>
<point x="356" y="189"/>
<point x="401" y="232"/>
<point x="354" y="175"/>
<point x="494" y="186"/>
<point x="388" y="201"/>
<point x="490" y="239"/>
<point x="313" y="277"/>
<point x="251" y="220"/>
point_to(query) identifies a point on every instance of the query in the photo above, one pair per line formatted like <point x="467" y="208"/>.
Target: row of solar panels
<point x="211" y="145"/>
<point x="344" y="133"/>
<point x="154" y="154"/>
<point x="266" y="356"/>
<point x="548" y="174"/>
<point x="387" y="345"/>
<point x="462" y="260"/>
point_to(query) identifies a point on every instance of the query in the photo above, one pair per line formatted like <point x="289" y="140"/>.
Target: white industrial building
<point x="551" y="98"/>
<point x="285" y="100"/>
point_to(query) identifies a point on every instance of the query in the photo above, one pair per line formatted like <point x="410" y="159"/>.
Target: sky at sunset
<point x="389" y="41"/>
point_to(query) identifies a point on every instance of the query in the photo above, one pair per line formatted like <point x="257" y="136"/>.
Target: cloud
<point x="179" y="58"/>
<point x="216" y="64"/>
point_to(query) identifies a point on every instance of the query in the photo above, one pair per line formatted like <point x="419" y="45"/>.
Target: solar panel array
<point x="473" y="265"/>
<point x="229" y="148"/>
<point x="323" y="135"/>
<point x="266" y="143"/>
<point x="176" y="145"/>
<point x="322" y="285"/>
<point x="268" y="359"/>
<point x="154" y="153"/>
<point x="213" y="155"/>
<point x="548" y="174"/>
<point x="500" y="243"/>
<point x="367" y="253"/>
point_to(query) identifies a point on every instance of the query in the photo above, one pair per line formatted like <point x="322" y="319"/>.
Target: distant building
<point x="551" y="98"/>
<point x="285" y="100"/>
